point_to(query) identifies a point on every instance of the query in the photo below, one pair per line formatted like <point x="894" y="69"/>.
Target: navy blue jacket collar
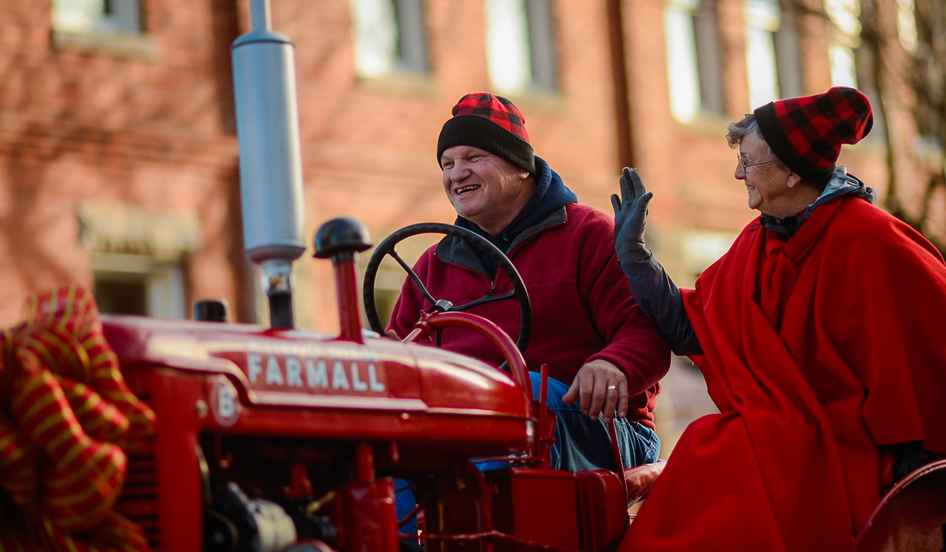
<point x="545" y="208"/>
<point x="550" y="195"/>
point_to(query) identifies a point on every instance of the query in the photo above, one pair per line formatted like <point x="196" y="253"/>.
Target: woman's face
<point x="766" y="180"/>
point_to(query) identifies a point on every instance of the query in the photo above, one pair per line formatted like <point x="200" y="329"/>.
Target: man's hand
<point x="630" y="218"/>
<point x="602" y="388"/>
<point x="392" y="335"/>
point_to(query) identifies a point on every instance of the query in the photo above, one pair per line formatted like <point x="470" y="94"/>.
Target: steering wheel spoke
<point x="483" y="301"/>
<point x="479" y="244"/>
<point x="413" y="275"/>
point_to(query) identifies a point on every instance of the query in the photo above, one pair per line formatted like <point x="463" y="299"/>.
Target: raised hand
<point x="630" y="218"/>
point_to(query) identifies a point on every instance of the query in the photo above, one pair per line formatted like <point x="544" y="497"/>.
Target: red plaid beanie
<point x="806" y="133"/>
<point x="491" y="123"/>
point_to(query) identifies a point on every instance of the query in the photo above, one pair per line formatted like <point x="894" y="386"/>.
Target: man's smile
<point x="467" y="189"/>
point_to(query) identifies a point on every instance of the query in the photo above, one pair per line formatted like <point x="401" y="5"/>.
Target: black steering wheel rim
<point x="475" y="241"/>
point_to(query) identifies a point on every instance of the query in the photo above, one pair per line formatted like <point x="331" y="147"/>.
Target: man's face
<point x="767" y="184"/>
<point x="483" y="187"/>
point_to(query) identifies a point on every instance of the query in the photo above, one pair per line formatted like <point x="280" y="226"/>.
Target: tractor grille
<point x="139" y="499"/>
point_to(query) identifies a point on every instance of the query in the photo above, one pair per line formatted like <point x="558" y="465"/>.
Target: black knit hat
<point x="491" y="123"/>
<point x="806" y="133"/>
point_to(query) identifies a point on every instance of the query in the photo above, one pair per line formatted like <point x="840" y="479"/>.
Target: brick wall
<point x="81" y="123"/>
<point x="157" y="131"/>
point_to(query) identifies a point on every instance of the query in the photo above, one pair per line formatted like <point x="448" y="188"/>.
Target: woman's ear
<point x="793" y="179"/>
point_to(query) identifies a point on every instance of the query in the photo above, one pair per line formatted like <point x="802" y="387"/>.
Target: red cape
<point x="816" y="351"/>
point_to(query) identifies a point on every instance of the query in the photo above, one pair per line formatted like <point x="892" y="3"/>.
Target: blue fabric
<point x="550" y="194"/>
<point x="404" y="501"/>
<point x="840" y="185"/>
<point x="584" y="444"/>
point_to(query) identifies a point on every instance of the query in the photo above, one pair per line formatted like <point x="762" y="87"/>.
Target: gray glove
<point x="630" y="218"/>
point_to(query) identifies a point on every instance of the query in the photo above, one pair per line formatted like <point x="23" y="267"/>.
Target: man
<point x="819" y="333"/>
<point x="586" y="325"/>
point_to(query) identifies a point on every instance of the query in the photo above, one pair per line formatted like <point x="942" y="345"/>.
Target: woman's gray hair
<point x="743" y="128"/>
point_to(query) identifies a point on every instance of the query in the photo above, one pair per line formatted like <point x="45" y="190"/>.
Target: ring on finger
<point x="612" y="388"/>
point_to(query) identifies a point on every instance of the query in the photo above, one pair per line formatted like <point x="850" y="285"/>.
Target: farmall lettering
<point x="321" y="375"/>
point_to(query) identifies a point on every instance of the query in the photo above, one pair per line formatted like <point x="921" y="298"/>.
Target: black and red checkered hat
<point x="491" y="123"/>
<point x="806" y="133"/>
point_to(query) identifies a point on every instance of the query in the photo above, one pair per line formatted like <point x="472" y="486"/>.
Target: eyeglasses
<point x="745" y="164"/>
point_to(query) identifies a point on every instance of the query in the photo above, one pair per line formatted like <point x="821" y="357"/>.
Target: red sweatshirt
<point x="582" y="308"/>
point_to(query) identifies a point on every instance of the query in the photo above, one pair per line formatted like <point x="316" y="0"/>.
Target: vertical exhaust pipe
<point x="267" y="119"/>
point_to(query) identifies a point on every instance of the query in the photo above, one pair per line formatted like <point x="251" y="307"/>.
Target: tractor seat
<point x="640" y="479"/>
<point x="911" y="516"/>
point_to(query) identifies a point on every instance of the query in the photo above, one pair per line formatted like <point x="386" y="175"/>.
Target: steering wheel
<point x="478" y="243"/>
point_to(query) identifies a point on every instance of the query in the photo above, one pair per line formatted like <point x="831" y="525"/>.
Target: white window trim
<point x="389" y="37"/>
<point x="520" y="46"/>
<point x="164" y="281"/>
<point x="83" y="26"/>
<point x="507" y="46"/>
<point x="694" y="60"/>
<point x="682" y="72"/>
<point x="762" y="22"/>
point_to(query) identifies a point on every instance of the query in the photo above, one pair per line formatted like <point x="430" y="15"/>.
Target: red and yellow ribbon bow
<point x="66" y="417"/>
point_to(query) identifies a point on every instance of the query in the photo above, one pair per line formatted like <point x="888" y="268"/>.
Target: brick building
<point x="118" y="158"/>
<point x="118" y="154"/>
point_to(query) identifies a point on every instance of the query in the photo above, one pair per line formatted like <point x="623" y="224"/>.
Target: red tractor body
<point x="296" y="418"/>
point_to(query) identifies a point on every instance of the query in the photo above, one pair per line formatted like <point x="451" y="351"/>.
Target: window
<point x="694" y="58"/>
<point x="134" y="284"/>
<point x="520" y="43"/>
<point x="114" y="27"/>
<point x="389" y="36"/>
<point x="97" y="16"/>
<point x="137" y="257"/>
<point x="772" y="53"/>
<point x="788" y="55"/>
<point x="845" y="35"/>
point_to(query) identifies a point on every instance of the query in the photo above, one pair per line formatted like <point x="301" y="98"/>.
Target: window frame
<point x="122" y="33"/>
<point x="534" y="67"/>
<point x="163" y="281"/>
<point x="400" y="25"/>
<point x="694" y="59"/>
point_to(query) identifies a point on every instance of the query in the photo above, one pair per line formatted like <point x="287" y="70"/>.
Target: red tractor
<point x="269" y="436"/>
